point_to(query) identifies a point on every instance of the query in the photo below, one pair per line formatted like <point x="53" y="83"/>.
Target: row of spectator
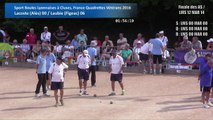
<point x="62" y="36"/>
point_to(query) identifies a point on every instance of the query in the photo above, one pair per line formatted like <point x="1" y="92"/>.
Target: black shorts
<point x="205" y="89"/>
<point x="143" y="57"/>
<point x="157" y="58"/>
<point x="57" y="85"/>
<point x="116" y="77"/>
<point x="83" y="74"/>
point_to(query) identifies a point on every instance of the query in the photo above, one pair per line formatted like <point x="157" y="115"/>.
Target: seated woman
<point x="17" y="50"/>
<point x="36" y="50"/>
<point x="126" y="54"/>
<point x="57" y="49"/>
<point x="136" y="51"/>
<point x="106" y="54"/>
<point x="25" y="47"/>
<point x="68" y="51"/>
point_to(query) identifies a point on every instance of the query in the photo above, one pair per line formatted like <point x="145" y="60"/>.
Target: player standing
<point x="56" y="75"/>
<point x="83" y="62"/>
<point x="116" y="65"/>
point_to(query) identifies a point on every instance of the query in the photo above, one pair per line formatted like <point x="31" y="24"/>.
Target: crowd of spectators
<point x="69" y="49"/>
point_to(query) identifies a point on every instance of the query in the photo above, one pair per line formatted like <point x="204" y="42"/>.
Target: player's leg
<point x="211" y="97"/>
<point x="113" y="79"/>
<point x="120" y="78"/>
<point x="44" y="87"/>
<point x="93" y="76"/>
<point x="61" y="96"/>
<point x="205" y="97"/>
<point x="80" y="77"/>
<point x="38" y="86"/>
<point x="81" y="87"/>
<point x="207" y="93"/>
<point x="56" y="97"/>
<point x="154" y="63"/>
<point x="86" y="78"/>
<point x="122" y="87"/>
<point x="160" y="61"/>
<point x="48" y="81"/>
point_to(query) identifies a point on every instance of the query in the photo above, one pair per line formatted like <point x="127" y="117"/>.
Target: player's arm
<point x="122" y="64"/>
<point x="77" y="62"/>
<point x="65" y="66"/>
<point x="50" y="71"/>
<point x="122" y="67"/>
<point x="110" y="66"/>
<point x="37" y="64"/>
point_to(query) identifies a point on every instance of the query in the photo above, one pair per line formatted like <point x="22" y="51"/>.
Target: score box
<point x="70" y="10"/>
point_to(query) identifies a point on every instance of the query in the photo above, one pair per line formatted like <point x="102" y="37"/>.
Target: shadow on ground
<point x="186" y="104"/>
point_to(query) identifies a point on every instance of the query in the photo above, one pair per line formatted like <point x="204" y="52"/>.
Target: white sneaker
<point x="37" y="95"/>
<point x="81" y="92"/>
<point x="46" y="95"/>
<point x="123" y="92"/>
<point x="210" y="104"/>
<point x="112" y="94"/>
<point x="206" y="106"/>
<point x="85" y="92"/>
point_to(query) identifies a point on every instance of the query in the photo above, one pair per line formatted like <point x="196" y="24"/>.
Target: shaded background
<point x="153" y="16"/>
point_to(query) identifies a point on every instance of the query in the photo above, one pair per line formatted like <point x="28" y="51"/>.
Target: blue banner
<point x="190" y="57"/>
<point x="70" y="10"/>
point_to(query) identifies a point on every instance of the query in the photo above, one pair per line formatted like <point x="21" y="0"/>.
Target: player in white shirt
<point x="56" y="75"/>
<point x="46" y="36"/>
<point x="145" y="55"/>
<point x="136" y="51"/>
<point x="116" y="65"/>
<point x="84" y="62"/>
<point x="163" y="38"/>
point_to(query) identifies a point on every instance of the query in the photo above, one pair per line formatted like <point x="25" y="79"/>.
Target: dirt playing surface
<point x="147" y="97"/>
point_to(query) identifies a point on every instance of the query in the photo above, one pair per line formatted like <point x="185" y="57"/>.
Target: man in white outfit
<point x="84" y="62"/>
<point x="46" y="36"/>
<point x="116" y="65"/>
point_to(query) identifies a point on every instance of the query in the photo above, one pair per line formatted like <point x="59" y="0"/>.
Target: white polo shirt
<point x="46" y="36"/>
<point x="164" y="40"/>
<point x="146" y="48"/>
<point x="58" y="48"/>
<point x="83" y="62"/>
<point x="69" y="47"/>
<point x="116" y="64"/>
<point x="57" y="72"/>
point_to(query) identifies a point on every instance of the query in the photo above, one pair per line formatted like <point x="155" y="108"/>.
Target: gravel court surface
<point x="147" y="97"/>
